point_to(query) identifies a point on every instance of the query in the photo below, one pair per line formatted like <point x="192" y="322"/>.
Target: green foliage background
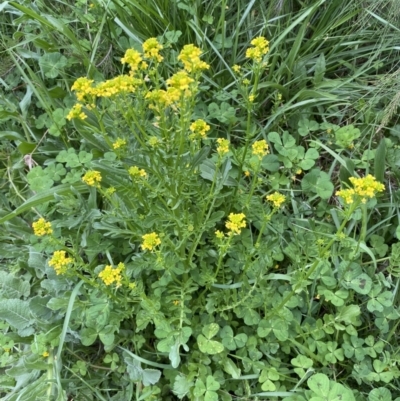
<point x="297" y="312"/>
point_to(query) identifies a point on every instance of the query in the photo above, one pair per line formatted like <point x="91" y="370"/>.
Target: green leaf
<point x="270" y="163"/>
<point x="274" y="137"/>
<point x="209" y="346"/>
<point x="210" y="330"/>
<point x="373" y="305"/>
<point x="227" y="338"/>
<point x="38" y="180"/>
<point x="38" y="307"/>
<point x="182" y="386"/>
<point x="231" y="368"/>
<point x="98" y="315"/>
<point x="361" y="284"/>
<point x="302" y="364"/>
<point x="379" y="161"/>
<point x="173" y="36"/>
<point x="199" y="388"/>
<point x="150" y="376"/>
<point x="320" y="68"/>
<point x="318" y="182"/>
<point x="268" y="385"/>
<point x="107" y="336"/>
<point x="278" y="326"/>
<point x="346" y="135"/>
<point x="212" y="384"/>
<point x="348" y="313"/>
<point x="88" y="336"/>
<point x="319" y="384"/>
<point x="385" y="298"/>
<point x="14" y="287"/>
<point x="53" y="64"/>
<point x="306" y="126"/>
<point x="380" y="394"/>
<point x="16" y="313"/>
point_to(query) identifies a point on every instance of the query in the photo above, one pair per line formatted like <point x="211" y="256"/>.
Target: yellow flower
<point x="92" y="178"/>
<point x="136" y="172"/>
<point x="119" y="143"/>
<point x="219" y="234"/>
<point x="110" y="191"/>
<point x="259" y="49"/>
<point x="176" y="302"/>
<point x="45" y="354"/>
<point x="180" y="81"/>
<point x="236" y="68"/>
<point x="42" y="227"/>
<point x="83" y="88"/>
<point x="133" y="58"/>
<point x="251" y="98"/>
<point x="151" y="49"/>
<point x="59" y="262"/>
<point x="110" y="275"/>
<point x="235" y="223"/>
<point x="199" y="129"/>
<point x="260" y="148"/>
<point x="363" y="188"/>
<point x="247" y="173"/>
<point x="76" y="112"/>
<point x="153" y="141"/>
<point x="223" y="146"/>
<point x="121" y="84"/>
<point x="277" y="199"/>
<point x="150" y="241"/>
<point x="190" y="57"/>
<point x="246" y="81"/>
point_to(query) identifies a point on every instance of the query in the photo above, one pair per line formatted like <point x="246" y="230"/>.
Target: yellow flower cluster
<point x="150" y="241"/>
<point x="76" y="112"/>
<point x="178" y="85"/>
<point x="42" y="227"/>
<point x="133" y="58"/>
<point x="260" y="148"/>
<point x="159" y="97"/>
<point x="110" y="191"/>
<point x="110" y="275"/>
<point x="363" y="188"/>
<point x="92" y="178"/>
<point x="199" y="129"/>
<point x="119" y="143"/>
<point x="235" y="223"/>
<point x="115" y="86"/>
<point x="219" y="234"/>
<point x="153" y="141"/>
<point x="59" y="262"/>
<point x="277" y="199"/>
<point x="151" y="49"/>
<point x="180" y="81"/>
<point x="223" y="146"/>
<point x="259" y="49"/>
<point x="236" y="68"/>
<point x="86" y="91"/>
<point x="136" y="172"/>
<point x="190" y="57"/>
<point x="83" y="88"/>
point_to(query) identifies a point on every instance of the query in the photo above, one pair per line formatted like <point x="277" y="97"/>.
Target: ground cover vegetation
<point x="199" y="200"/>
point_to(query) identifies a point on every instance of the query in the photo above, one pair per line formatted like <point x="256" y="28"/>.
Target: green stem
<point x="364" y="222"/>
